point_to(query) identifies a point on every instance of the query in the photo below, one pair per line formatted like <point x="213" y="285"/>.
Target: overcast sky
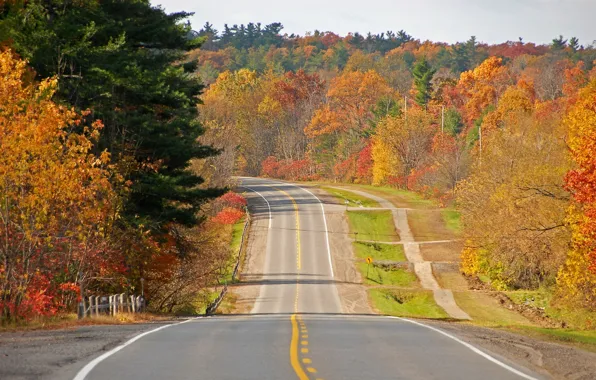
<point x="491" y="21"/>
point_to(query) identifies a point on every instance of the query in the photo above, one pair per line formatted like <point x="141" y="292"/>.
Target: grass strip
<point x="379" y="276"/>
<point x="373" y="225"/>
<point x="406" y="303"/>
<point x="379" y="251"/>
<point x="349" y="198"/>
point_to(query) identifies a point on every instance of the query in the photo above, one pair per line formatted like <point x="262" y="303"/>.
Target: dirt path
<point x="423" y="269"/>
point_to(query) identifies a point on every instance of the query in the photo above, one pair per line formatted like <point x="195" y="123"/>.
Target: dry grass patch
<point x="70" y="320"/>
<point x="487" y="311"/>
<point x="447" y="252"/>
<point x="450" y="279"/>
<point x="429" y="225"/>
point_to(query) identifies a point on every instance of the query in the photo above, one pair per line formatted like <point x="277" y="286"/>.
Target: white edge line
<point x="82" y="374"/>
<point x="268" y="205"/>
<point x="471" y="347"/>
<point x="324" y="223"/>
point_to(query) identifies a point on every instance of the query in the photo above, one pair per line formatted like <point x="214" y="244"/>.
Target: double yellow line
<point x="299" y="330"/>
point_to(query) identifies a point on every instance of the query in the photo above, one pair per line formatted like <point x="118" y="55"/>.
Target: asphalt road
<point x="296" y="329"/>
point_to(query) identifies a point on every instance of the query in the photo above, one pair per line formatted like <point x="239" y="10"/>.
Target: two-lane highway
<point x="298" y="257"/>
<point x="297" y="329"/>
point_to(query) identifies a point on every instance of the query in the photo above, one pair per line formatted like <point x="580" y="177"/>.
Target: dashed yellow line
<point x="299" y="335"/>
<point x="294" y="360"/>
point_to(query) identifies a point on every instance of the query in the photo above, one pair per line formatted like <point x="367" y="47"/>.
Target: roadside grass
<point x="70" y="320"/>
<point x="534" y="298"/>
<point x="452" y="219"/>
<point x="443" y="252"/>
<point x="451" y="280"/>
<point x="235" y="240"/>
<point x="429" y="225"/>
<point x="199" y="304"/>
<point x="352" y="199"/>
<point x="379" y="251"/>
<point x="396" y="277"/>
<point x="486" y="310"/>
<point x="228" y="304"/>
<point x="372" y="225"/>
<point x="406" y="303"/>
<point x="401" y="198"/>
<point x="573" y="318"/>
<point x="585" y="339"/>
<point x="429" y="222"/>
<point x="237" y="230"/>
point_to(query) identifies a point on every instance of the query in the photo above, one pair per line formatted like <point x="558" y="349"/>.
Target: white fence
<point x="111" y="305"/>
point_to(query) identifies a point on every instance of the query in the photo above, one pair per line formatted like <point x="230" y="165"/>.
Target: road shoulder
<point x="59" y="354"/>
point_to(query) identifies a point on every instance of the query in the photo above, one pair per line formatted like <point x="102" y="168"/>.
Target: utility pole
<point x="480" y="142"/>
<point x="405" y="107"/>
<point x="442" y="119"/>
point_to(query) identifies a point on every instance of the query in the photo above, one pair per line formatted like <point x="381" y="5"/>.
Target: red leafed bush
<point x="346" y="170"/>
<point x="295" y="170"/>
<point x="270" y="167"/>
<point x="228" y="215"/>
<point x="287" y="169"/>
<point x="364" y="164"/>
<point x="234" y="200"/>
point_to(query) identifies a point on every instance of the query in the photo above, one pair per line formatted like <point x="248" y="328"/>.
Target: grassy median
<point x="406" y="303"/>
<point x="379" y="251"/>
<point x="373" y="225"/>
<point x="401" y="277"/>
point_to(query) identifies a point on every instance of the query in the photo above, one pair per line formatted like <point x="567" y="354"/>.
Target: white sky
<point x="491" y="21"/>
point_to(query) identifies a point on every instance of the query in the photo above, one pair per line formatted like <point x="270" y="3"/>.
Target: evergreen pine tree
<point x="423" y="74"/>
<point x="125" y="61"/>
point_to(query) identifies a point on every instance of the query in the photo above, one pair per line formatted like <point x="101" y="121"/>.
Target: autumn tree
<point x="577" y="278"/>
<point x="513" y="204"/>
<point x="482" y="86"/>
<point x="344" y="121"/>
<point x="136" y="80"/>
<point x="57" y="203"/>
<point x="423" y="75"/>
<point x="402" y="144"/>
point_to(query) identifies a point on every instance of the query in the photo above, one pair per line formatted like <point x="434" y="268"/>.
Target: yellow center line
<point x="299" y="335"/>
<point x="294" y="360"/>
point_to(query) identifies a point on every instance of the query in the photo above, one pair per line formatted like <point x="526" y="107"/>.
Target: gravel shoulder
<point x="246" y="291"/>
<point x="352" y="293"/>
<point x="60" y="354"/>
<point x="554" y="360"/>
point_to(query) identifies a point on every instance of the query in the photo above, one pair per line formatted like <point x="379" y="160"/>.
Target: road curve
<point x="296" y="329"/>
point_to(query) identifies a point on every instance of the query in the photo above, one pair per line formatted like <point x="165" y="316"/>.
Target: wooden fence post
<point x="91" y="305"/>
<point x="121" y="302"/>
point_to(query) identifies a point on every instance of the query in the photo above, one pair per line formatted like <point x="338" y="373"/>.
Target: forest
<point x="121" y="129"/>
<point x="504" y="132"/>
<point x="98" y="132"/>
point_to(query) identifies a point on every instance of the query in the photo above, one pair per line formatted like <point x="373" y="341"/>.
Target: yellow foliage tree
<point x="56" y="199"/>
<point x="402" y="144"/>
<point x="513" y="204"/>
<point x="577" y="279"/>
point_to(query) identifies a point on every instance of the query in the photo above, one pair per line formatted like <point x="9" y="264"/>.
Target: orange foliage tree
<point x="339" y="127"/>
<point x="577" y="279"/>
<point x="351" y="97"/>
<point x="482" y="86"/>
<point x="56" y="200"/>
